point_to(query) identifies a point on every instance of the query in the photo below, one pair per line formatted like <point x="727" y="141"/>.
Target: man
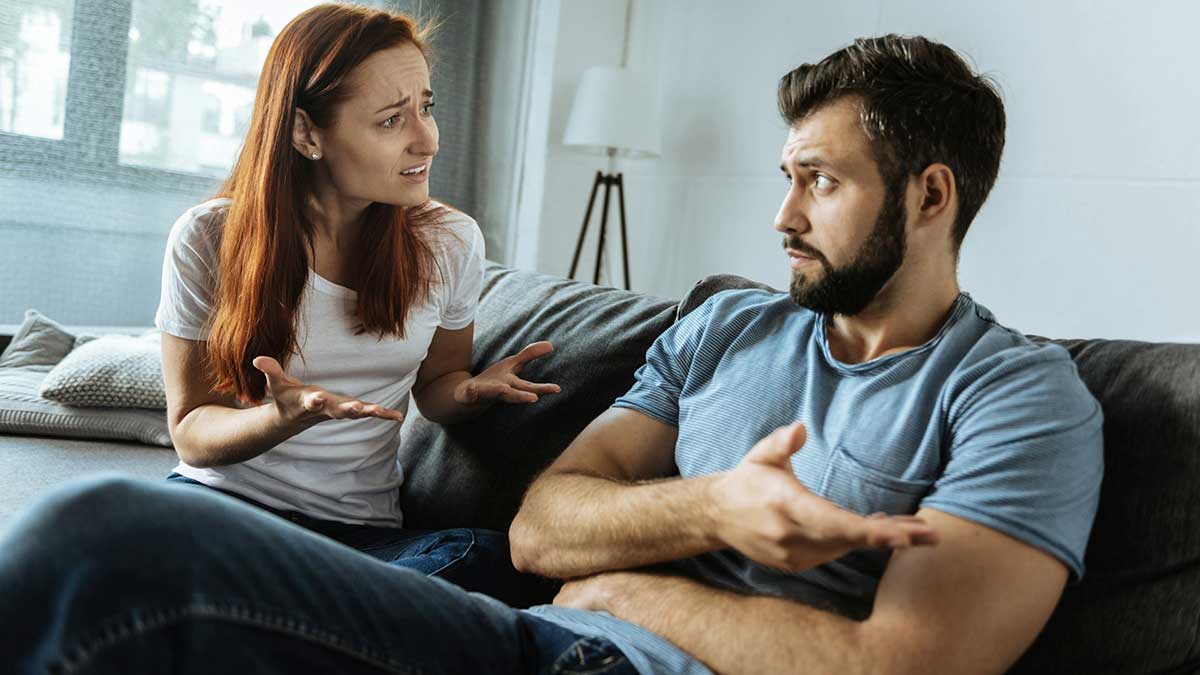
<point x="866" y="475"/>
<point x="893" y="392"/>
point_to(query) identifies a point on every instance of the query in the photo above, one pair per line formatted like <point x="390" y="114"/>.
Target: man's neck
<point x="900" y="318"/>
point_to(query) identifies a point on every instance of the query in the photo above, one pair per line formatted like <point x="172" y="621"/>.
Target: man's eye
<point x="822" y="182"/>
<point x="427" y="109"/>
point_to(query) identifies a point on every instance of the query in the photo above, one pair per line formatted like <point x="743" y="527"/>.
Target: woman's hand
<point x="298" y="403"/>
<point x="501" y="382"/>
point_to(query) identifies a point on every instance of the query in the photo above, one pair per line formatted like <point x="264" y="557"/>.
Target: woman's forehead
<point x="390" y="75"/>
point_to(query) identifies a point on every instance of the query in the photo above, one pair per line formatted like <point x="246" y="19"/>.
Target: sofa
<point x="1137" y="609"/>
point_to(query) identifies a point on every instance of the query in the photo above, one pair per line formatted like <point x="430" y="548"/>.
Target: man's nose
<point x="791" y="218"/>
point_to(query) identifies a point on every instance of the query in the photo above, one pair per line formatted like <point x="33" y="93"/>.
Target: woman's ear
<point x="305" y="136"/>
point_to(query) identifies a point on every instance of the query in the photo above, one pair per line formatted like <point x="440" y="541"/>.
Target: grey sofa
<point x="1136" y="611"/>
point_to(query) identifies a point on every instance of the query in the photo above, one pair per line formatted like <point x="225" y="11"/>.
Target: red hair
<point x="264" y="247"/>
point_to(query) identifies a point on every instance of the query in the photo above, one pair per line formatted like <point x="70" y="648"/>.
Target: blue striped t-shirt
<point x="979" y="422"/>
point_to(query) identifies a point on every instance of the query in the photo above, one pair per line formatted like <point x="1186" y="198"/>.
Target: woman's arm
<point x="211" y="429"/>
<point x="446" y="392"/>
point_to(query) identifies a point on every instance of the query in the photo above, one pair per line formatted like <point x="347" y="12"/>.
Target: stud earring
<point x="316" y="155"/>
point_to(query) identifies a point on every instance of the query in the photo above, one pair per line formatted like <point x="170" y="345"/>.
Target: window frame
<point x="89" y="150"/>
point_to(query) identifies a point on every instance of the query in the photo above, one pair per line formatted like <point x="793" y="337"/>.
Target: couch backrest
<point x="475" y="474"/>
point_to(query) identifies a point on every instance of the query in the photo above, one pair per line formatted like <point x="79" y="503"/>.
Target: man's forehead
<point x="832" y="131"/>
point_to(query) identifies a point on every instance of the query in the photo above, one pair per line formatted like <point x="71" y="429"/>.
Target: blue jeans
<point x="477" y="560"/>
<point x="114" y="575"/>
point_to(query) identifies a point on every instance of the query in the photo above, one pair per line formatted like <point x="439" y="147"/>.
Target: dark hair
<point x="921" y="104"/>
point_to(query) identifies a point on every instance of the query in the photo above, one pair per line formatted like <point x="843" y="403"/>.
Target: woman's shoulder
<point x="203" y="219"/>
<point x="453" y="232"/>
<point x="199" y="228"/>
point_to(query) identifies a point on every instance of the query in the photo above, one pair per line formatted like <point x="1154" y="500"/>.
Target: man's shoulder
<point x="1002" y="360"/>
<point x="741" y="304"/>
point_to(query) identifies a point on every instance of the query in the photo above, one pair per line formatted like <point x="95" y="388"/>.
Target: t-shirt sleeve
<point x="464" y="263"/>
<point x="185" y="304"/>
<point x="659" y="382"/>
<point x="1026" y="456"/>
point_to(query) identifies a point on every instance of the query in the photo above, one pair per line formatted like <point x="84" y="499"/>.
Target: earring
<point x="316" y="155"/>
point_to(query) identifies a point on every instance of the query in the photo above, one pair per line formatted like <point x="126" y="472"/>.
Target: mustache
<point x="794" y="243"/>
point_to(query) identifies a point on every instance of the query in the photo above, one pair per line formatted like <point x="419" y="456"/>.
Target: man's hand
<point x="762" y="510"/>
<point x="501" y="381"/>
<point x="601" y="592"/>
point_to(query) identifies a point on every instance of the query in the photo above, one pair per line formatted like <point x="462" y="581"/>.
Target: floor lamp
<point x="615" y="114"/>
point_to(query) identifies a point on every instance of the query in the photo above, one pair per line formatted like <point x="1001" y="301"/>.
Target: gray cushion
<point x="36" y="348"/>
<point x="39" y="343"/>
<point x="475" y="473"/>
<point x="119" y="371"/>
<point x="1137" y="607"/>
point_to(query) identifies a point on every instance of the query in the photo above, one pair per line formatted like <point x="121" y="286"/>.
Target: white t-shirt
<point x="343" y="470"/>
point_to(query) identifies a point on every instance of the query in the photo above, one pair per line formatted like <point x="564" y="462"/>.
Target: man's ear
<point x="306" y="138"/>
<point x="939" y="193"/>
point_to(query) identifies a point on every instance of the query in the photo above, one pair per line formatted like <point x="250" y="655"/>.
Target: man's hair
<point x="920" y="104"/>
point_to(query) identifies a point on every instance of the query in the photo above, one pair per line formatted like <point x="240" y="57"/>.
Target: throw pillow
<point x="38" y="345"/>
<point x="116" y="371"/>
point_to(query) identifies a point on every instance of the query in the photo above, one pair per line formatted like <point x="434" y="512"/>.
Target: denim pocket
<point x="865" y="490"/>
<point x="591" y="655"/>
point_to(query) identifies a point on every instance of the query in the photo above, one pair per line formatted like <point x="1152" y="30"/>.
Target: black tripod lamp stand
<point x="615" y="113"/>
<point x="609" y="181"/>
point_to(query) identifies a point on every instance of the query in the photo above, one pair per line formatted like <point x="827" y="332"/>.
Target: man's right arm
<point x="610" y="502"/>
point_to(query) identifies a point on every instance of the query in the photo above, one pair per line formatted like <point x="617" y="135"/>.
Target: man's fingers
<point x="776" y="448"/>
<point x="897" y="532"/>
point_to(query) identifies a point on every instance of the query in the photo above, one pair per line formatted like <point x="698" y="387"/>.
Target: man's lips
<point x="798" y="259"/>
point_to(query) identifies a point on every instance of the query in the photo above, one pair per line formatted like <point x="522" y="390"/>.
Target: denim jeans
<point x="477" y="560"/>
<point x="113" y="575"/>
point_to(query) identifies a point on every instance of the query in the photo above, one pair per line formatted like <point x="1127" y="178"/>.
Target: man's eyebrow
<point x="813" y="162"/>
<point x="428" y="93"/>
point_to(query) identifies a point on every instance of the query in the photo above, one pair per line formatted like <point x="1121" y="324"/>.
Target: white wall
<point x="1093" y="227"/>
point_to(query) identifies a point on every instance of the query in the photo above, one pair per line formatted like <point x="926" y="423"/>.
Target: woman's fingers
<point x="313" y="401"/>
<point x="511" y="395"/>
<point x="535" y="387"/>
<point x="355" y="409"/>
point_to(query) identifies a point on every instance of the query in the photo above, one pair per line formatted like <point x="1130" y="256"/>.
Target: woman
<point x="323" y="243"/>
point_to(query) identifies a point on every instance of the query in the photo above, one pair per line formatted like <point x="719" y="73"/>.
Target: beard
<point x="850" y="289"/>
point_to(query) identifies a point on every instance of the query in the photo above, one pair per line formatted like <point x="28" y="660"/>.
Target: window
<point x="191" y="73"/>
<point x="35" y="39"/>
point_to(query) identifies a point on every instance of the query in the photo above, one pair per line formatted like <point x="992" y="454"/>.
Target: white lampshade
<point x="615" y="108"/>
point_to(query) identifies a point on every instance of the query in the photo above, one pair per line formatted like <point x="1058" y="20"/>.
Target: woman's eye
<point x="427" y="109"/>
<point x="391" y="121"/>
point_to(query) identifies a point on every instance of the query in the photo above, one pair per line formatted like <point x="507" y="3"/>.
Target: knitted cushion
<point x="115" y="371"/>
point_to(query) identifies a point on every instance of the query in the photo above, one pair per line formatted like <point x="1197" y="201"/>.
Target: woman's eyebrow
<point x="428" y="93"/>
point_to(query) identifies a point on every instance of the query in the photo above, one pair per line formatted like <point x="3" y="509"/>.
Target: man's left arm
<point x="972" y="604"/>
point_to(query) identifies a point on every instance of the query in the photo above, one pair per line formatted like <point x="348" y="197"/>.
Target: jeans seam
<point x="118" y="629"/>
<point x="616" y="656"/>
<point x="465" y="552"/>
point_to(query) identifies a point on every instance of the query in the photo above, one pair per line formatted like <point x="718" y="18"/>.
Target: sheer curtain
<point x="117" y="115"/>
